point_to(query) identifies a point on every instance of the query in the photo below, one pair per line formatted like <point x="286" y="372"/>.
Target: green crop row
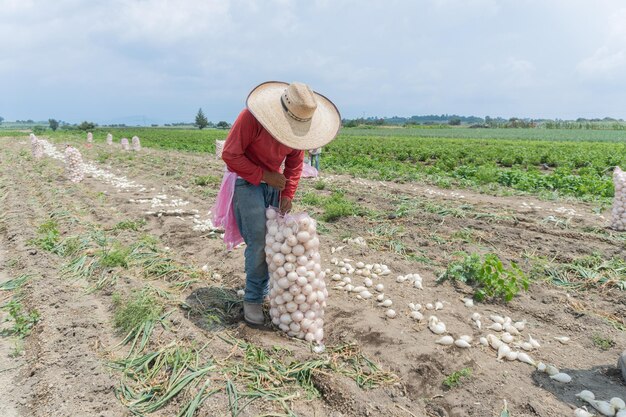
<point x="564" y="165"/>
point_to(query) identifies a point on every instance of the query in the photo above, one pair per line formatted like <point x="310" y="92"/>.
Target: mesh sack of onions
<point x="298" y="291"/>
<point x="109" y="139"/>
<point x="219" y="148"/>
<point x="619" y="202"/>
<point x="74" y="164"/>
<point x="89" y="137"/>
<point x="36" y="147"/>
<point x="124" y="143"/>
<point x="136" y="144"/>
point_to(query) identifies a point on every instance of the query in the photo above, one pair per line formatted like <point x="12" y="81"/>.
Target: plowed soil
<point x="62" y="367"/>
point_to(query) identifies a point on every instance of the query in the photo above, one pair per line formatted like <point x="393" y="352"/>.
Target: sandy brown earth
<point x="63" y="368"/>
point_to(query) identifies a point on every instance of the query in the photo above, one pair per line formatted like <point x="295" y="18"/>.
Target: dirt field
<point x="62" y="367"/>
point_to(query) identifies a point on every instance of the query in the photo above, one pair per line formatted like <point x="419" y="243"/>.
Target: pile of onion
<point x="619" y="202"/>
<point x="124" y="143"/>
<point x="219" y="147"/>
<point x="74" y="164"/>
<point x="297" y="288"/>
<point x="36" y="147"/>
<point x="109" y="139"/>
<point x="136" y="144"/>
<point x="90" y="137"/>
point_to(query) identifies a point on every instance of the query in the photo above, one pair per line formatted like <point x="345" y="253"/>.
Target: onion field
<point x="445" y="272"/>
<point x="566" y="162"/>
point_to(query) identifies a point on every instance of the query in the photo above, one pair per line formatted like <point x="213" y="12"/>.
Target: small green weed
<point x="207" y="180"/>
<point x="134" y="311"/>
<point x="48" y="236"/>
<point x="465" y="235"/>
<point x="338" y="206"/>
<point x="491" y="280"/>
<point x="133" y="225"/>
<point x="113" y="256"/>
<point x="71" y="246"/>
<point x="601" y="342"/>
<point x="102" y="157"/>
<point x="456" y="378"/>
<point x="24" y="321"/>
<point x="319" y="185"/>
<point x="334" y="206"/>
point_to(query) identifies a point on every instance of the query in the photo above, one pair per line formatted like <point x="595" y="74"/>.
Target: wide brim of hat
<point x="264" y="103"/>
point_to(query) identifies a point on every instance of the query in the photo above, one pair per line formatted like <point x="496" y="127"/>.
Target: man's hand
<point x="275" y="179"/>
<point x="285" y="205"/>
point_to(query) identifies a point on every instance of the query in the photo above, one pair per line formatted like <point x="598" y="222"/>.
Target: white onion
<point x="618" y="219"/>
<point x="136" y="144"/>
<point x="74" y="164"/>
<point x="298" y="291"/>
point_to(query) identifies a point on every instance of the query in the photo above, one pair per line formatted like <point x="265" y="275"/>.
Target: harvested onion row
<point x="219" y="147"/>
<point x="619" y="202"/>
<point x="297" y="288"/>
<point x="36" y="147"/>
<point x="74" y="164"/>
<point x="136" y="144"/>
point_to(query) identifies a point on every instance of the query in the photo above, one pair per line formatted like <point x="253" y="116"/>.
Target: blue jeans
<point x="250" y="202"/>
<point x="315" y="161"/>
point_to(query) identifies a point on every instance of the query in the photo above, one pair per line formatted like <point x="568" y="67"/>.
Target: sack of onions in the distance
<point x="619" y="202"/>
<point x="298" y="291"/>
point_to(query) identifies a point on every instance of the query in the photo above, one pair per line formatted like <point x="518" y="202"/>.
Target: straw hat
<point x="294" y="114"/>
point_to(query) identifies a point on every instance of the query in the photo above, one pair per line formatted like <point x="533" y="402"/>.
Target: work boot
<point x="253" y="314"/>
<point x="621" y="364"/>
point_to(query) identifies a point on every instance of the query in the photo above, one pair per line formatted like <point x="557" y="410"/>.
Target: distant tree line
<point x="431" y="119"/>
<point x="487" y="122"/>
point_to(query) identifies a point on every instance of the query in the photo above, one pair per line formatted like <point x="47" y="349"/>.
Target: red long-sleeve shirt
<point x="250" y="149"/>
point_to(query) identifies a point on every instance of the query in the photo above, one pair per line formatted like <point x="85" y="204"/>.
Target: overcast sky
<point x="117" y="61"/>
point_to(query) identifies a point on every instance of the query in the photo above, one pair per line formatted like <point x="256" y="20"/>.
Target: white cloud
<point x="609" y="60"/>
<point x="97" y="60"/>
<point x="604" y="63"/>
<point x="165" y="22"/>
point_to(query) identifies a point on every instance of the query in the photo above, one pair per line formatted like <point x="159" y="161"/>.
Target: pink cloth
<point x="224" y="213"/>
<point x="308" y="171"/>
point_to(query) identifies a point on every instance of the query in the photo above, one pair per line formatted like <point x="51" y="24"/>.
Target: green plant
<point x="601" y="342"/>
<point x="133" y="225"/>
<point x="132" y="312"/>
<point x="488" y="276"/>
<point x="23" y="321"/>
<point x="102" y="157"/>
<point x="207" y="180"/>
<point x="334" y="206"/>
<point x="456" y="378"/>
<point x="48" y="236"/>
<point x="319" y="185"/>
<point x="115" y="255"/>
